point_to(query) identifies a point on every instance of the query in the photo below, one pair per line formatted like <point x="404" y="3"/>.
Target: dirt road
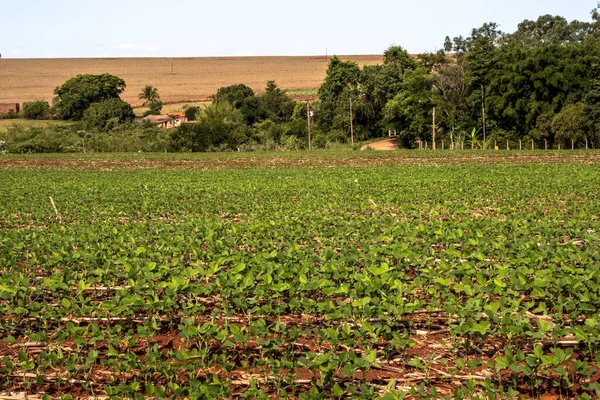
<point x="386" y="144"/>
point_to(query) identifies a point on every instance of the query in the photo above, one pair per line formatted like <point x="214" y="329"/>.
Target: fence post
<point x="572" y="144"/>
<point x="532" y="147"/>
<point x="545" y="144"/>
<point x="586" y="143"/>
<point x="520" y="147"/>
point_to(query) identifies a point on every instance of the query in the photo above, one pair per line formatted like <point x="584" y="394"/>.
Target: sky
<point x="197" y="28"/>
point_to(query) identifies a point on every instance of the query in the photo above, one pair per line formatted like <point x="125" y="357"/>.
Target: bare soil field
<point x="243" y="161"/>
<point x="177" y="79"/>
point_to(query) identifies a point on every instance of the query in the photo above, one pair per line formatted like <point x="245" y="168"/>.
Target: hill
<point x="177" y="79"/>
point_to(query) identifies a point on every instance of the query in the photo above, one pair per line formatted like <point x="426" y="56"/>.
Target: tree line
<point x="539" y="83"/>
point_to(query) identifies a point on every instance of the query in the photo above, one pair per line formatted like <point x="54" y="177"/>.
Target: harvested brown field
<point x="177" y="79"/>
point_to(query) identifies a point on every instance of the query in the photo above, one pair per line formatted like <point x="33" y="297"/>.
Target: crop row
<point x="318" y="283"/>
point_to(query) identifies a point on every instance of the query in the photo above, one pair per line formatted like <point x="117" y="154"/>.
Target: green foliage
<point x="341" y="84"/>
<point x="9" y="115"/>
<point x="233" y="95"/>
<point x="155" y="108"/>
<point x="70" y="139"/>
<point x="218" y="126"/>
<point x="107" y="115"/>
<point x="409" y="112"/>
<point x="153" y="276"/>
<point x="591" y="108"/>
<point x="191" y="113"/>
<point x="39" y="109"/>
<point x="276" y="103"/>
<point x="75" y="95"/>
<point x="150" y="96"/>
<point x="570" y="124"/>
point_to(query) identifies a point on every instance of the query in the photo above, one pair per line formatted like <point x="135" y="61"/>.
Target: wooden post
<point x="532" y="146"/>
<point x="308" y="118"/>
<point x="572" y="144"/>
<point x="520" y="147"/>
<point x="507" y="148"/>
<point x="443" y="144"/>
<point x="545" y="144"/>
<point x="433" y="130"/>
<point x="351" y="124"/>
<point x="586" y="143"/>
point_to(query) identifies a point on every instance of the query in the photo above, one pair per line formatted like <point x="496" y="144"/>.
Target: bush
<point x="155" y="108"/>
<point x="38" y="109"/>
<point x="107" y="115"/>
<point x="191" y="112"/>
<point x="9" y="115"/>
<point x="64" y="139"/>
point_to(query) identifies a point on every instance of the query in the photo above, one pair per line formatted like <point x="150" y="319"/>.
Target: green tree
<point x="409" y="112"/>
<point x="569" y="125"/>
<point x="39" y="109"/>
<point x="233" y="95"/>
<point x="341" y="83"/>
<point x="75" y="95"/>
<point x="107" y="114"/>
<point x="150" y="95"/>
<point x="591" y="109"/>
<point x="191" y="112"/>
<point x="277" y="105"/>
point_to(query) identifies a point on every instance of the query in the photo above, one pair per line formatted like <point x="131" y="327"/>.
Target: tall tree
<point x="150" y="95"/>
<point x="341" y="83"/>
<point x="75" y="95"/>
<point x="481" y="55"/>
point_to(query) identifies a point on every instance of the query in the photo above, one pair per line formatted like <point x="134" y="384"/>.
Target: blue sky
<point x="188" y="28"/>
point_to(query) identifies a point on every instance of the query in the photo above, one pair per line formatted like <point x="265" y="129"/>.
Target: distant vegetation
<point x="536" y="85"/>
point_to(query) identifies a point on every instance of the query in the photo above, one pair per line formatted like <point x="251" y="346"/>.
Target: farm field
<point x="363" y="275"/>
<point x="178" y="80"/>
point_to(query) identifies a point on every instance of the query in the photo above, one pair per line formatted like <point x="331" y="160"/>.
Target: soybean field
<point x="326" y="280"/>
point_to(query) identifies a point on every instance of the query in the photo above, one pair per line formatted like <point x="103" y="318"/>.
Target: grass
<point x="6" y="123"/>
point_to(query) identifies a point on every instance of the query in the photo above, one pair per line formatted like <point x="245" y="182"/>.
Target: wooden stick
<point x="54" y="206"/>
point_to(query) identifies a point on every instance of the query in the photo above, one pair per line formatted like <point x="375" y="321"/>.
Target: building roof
<point x="156" y="119"/>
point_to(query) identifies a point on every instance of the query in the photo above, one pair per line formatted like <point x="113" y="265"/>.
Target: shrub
<point x="38" y="109"/>
<point x="107" y="114"/>
<point x="191" y="112"/>
<point x="155" y="108"/>
<point x="9" y="115"/>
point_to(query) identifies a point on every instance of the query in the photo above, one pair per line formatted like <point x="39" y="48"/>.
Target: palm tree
<point x="150" y="95"/>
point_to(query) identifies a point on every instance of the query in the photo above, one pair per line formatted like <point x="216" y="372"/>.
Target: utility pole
<point x="483" y="112"/>
<point x="433" y="130"/>
<point x="308" y="118"/>
<point x="351" y="123"/>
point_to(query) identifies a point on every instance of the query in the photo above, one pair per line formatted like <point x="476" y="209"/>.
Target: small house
<point x="167" y="121"/>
